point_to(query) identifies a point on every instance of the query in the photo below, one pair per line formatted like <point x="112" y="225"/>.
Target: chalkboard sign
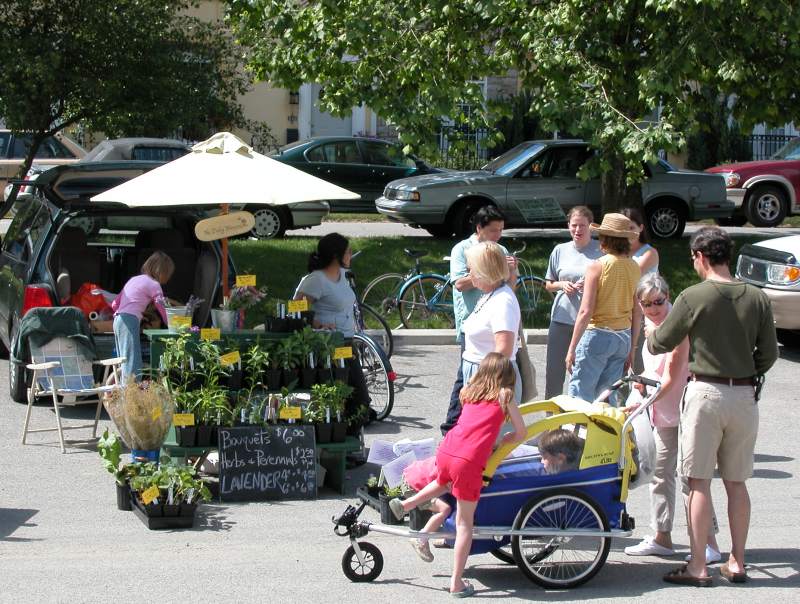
<point x="272" y="462"/>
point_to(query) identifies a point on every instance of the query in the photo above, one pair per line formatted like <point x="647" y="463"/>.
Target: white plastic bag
<point x="645" y="453"/>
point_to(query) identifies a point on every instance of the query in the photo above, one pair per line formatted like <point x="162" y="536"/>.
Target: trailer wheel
<point x="369" y="570"/>
<point x="561" y="562"/>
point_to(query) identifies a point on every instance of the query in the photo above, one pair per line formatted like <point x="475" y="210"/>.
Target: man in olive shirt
<point x="732" y="342"/>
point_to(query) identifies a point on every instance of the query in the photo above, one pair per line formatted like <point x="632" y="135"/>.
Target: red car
<point x="767" y="191"/>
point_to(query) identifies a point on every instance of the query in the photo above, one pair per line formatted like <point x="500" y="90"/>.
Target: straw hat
<point x="616" y="225"/>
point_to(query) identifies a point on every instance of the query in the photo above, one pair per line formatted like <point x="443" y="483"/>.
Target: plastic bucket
<point x="145" y="455"/>
<point x="172" y="312"/>
<point x="225" y="320"/>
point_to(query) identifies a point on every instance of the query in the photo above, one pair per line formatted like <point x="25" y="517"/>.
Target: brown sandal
<point x="731" y="576"/>
<point x="680" y="576"/>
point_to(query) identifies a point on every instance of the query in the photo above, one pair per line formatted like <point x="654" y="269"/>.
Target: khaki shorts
<point x="718" y="427"/>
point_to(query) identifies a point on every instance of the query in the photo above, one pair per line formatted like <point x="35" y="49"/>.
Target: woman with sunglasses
<point x="672" y="370"/>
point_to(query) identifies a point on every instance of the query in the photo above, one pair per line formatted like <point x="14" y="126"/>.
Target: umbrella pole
<point x="224" y="243"/>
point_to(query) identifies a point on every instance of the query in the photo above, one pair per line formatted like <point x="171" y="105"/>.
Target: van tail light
<point x="34" y="297"/>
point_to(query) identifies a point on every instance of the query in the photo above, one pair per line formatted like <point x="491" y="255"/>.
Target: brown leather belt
<point x="712" y="379"/>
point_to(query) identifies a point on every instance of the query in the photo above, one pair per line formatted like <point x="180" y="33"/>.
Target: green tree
<point x="133" y="67"/>
<point x="599" y="68"/>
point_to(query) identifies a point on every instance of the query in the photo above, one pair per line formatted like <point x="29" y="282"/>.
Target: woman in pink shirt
<point x="131" y="303"/>
<point x="487" y="402"/>
<point x="672" y="370"/>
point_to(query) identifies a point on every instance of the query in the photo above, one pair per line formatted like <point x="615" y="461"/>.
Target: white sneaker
<point x="397" y="508"/>
<point x="648" y="547"/>
<point x="423" y="549"/>
<point x="712" y="556"/>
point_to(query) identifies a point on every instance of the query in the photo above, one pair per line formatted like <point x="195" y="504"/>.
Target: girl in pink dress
<point x="461" y="458"/>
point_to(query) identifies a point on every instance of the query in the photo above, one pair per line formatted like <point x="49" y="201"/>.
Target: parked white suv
<point x="774" y="266"/>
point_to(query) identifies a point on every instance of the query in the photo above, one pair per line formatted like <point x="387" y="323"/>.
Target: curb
<point x="446" y="337"/>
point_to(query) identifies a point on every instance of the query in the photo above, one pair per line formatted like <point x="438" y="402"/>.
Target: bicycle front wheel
<point x="380" y="330"/>
<point x="376" y="368"/>
<point x="427" y="303"/>
<point x="381" y="295"/>
<point x="535" y="302"/>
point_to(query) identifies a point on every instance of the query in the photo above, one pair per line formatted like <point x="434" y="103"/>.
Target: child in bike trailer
<point x="461" y="457"/>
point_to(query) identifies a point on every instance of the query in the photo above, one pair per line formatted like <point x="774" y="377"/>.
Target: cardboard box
<point x="102" y="326"/>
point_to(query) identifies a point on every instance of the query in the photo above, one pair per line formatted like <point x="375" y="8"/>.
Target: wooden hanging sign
<point x="224" y="225"/>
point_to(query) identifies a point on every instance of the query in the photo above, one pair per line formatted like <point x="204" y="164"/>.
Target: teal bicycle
<point x="416" y="300"/>
<point x="420" y="300"/>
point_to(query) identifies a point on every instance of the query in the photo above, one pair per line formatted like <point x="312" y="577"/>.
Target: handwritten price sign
<point x="245" y="280"/>
<point x="210" y="333"/>
<point x="178" y="321"/>
<point x="231" y="358"/>
<point x="345" y="352"/>
<point x="183" y="419"/>
<point x="297" y="305"/>
<point x="290" y="413"/>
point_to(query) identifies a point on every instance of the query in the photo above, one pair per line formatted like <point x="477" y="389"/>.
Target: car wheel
<point x="271" y="223"/>
<point x="462" y="219"/>
<point x="736" y="220"/>
<point x="766" y="206"/>
<point x="788" y="337"/>
<point x="18" y="382"/>
<point x="666" y="219"/>
<point x="440" y="231"/>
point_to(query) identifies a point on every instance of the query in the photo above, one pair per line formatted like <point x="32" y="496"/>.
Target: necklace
<point x="482" y="302"/>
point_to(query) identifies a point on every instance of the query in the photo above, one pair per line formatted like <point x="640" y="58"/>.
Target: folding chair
<point x="62" y="371"/>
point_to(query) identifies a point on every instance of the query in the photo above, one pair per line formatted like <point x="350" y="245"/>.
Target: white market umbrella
<point x="220" y="171"/>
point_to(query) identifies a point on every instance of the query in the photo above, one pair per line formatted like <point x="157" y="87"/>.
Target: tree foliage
<point x="133" y="67"/>
<point x="600" y="69"/>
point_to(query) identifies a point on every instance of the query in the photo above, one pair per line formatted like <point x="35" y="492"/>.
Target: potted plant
<point x="177" y="491"/>
<point x="307" y="351"/>
<point x="175" y="362"/>
<point x="230" y="315"/>
<point x="186" y="402"/>
<point x="389" y="493"/>
<point x="256" y="361"/>
<point x="373" y="489"/>
<point x="289" y="357"/>
<point x="110" y="449"/>
<point x="212" y="411"/>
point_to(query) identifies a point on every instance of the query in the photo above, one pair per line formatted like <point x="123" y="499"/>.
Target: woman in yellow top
<point x="600" y="349"/>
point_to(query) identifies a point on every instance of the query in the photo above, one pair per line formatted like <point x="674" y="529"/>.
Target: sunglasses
<point x="653" y="303"/>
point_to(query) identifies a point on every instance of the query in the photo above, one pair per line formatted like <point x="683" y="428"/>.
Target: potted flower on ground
<point x="110" y="449"/>
<point x="389" y="493"/>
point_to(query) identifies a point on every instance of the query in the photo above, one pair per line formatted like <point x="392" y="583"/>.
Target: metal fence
<point x="764" y="146"/>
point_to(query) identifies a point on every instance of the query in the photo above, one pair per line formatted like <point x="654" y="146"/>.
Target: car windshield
<point x="790" y="150"/>
<point x="510" y="161"/>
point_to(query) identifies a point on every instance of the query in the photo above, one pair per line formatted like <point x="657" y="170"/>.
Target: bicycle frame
<point x="435" y="303"/>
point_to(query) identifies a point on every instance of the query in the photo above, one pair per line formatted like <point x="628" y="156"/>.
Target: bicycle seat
<point x="415" y="253"/>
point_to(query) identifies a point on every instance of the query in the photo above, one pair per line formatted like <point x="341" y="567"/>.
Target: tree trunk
<point x="616" y="192"/>
<point x="36" y="142"/>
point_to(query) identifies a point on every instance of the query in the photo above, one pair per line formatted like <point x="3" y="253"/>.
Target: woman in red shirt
<point x="461" y="458"/>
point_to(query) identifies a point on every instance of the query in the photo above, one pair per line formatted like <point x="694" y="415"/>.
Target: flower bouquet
<point x="231" y="314"/>
<point x="142" y="413"/>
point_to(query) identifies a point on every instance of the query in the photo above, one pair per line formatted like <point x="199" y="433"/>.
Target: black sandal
<point x="680" y="576"/>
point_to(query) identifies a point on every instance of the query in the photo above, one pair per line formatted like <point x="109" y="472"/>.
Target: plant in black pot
<point x="307" y="352"/>
<point x="212" y="410"/>
<point x="323" y="350"/>
<point x="185" y="403"/>
<point x="175" y="363"/>
<point x="289" y="355"/>
<point x="339" y="393"/>
<point x="256" y="361"/>
<point x="110" y="449"/>
<point x="373" y="489"/>
<point x="389" y="493"/>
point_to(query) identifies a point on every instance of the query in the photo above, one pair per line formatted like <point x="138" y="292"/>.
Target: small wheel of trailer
<point x="561" y="562"/>
<point x="369" y="569"/>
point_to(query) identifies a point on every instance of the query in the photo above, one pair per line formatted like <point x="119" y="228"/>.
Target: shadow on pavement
<point x="13" y="518"/>
<point x="212" y="518"/>
<point x="764" y="458"/>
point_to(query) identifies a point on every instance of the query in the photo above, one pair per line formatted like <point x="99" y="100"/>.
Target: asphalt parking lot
<point x="62" y="539"/>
